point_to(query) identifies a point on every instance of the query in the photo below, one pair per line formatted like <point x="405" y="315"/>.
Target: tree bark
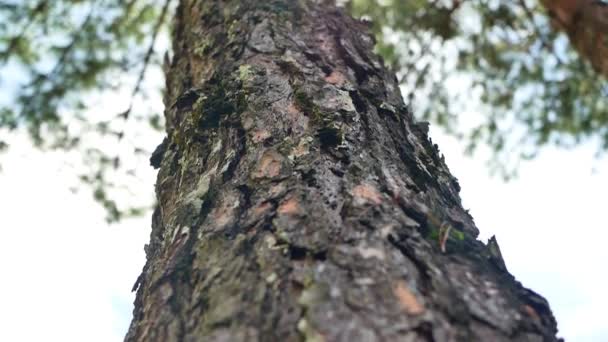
<point x="299" y="200"/>
<point x="586" y="24"/>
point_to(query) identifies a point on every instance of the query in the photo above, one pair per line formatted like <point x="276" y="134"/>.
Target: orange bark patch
<point x="289" y="207"/>
<point x="261" y="209"/>
<point x="260" y="135"/>
<point x="531" y="312"/>
<point x="292" y="110"/>
<point x="269" y="165"/>
<point x="222" y="216"/>
<point x="336" y="78"/>
<point x="298" y="120"/>
<point x="407" y="299"/>
<point x="277" y="189"/>
<point x="367" y="193"/>
<point x="224" y="213"/>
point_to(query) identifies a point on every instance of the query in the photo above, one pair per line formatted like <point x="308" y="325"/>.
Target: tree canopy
<point x="535" y="72"/>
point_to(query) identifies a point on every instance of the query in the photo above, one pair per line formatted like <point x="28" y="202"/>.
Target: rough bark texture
<point x="299" y="200"/>
<point x="586" y="23"/>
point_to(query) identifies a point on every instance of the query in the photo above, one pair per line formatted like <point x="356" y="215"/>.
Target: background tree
<point x="524" y="76"/>
<point x="59" y="58"/>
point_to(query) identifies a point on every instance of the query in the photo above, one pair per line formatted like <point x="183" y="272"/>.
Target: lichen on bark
<point x="297" y="196"/>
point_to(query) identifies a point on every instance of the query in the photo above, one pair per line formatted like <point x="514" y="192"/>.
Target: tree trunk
<point x="586" y="23"/>
<point x="298" y="199"/>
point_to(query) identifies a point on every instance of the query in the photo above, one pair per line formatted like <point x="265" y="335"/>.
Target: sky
<point x="67" y="275"/>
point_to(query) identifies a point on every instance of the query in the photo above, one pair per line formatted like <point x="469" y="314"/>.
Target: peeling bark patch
<point x="269" y="166"/>
<point x="407" y="299"/>
<point x="262" y="209"/>
<point x="277" y="190"/>
<point x="224" y="213"/>
<point x="289" y="207"/>
<point x="260" y="136"/>
<point x="531" y="313"/>
<point x="366" y="193"/>
<point x="292" y="110"/>
<point x="299" y="121"/>
<point x="335" y="78"/>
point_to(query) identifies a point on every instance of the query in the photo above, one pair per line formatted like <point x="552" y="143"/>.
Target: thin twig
<point x="146" y="62"/>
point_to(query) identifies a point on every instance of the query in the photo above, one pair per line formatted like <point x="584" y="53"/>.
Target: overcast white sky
<point x="67" y="276"/>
